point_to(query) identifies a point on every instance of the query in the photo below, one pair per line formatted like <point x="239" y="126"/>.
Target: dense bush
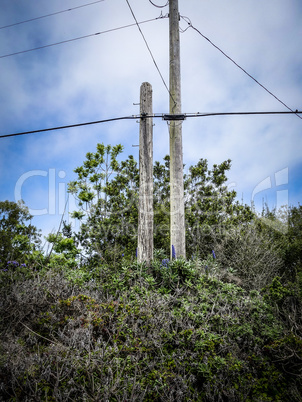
<point x="250" y="254"/>
<point x="173" y="331"/>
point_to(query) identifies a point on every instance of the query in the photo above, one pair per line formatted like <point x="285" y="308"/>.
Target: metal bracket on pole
<point x="172" y="117"/>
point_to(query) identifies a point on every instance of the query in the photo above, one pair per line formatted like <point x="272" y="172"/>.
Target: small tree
<point x="18" y="239"/>
<point x="107" y="191"/>
<point x="91" y="186"/>
<point x="211" y="208"/>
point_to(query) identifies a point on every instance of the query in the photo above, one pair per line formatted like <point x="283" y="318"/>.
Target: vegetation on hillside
<point x="88" y="323"/>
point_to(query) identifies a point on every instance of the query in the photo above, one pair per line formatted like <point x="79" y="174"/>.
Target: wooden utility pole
<point x="177" y="214"/>
<point x="145" y="218"/>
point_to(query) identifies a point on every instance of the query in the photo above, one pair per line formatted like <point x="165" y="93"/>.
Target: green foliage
<point x="172" y="331"/>
<point x="18" y="239"/>
<point x="90" y="323"/>
<point x="210" y="208"/>
<point x="276" y="292"/>
<point x="64" y="252"/>
<point x="107" y="192"/>
<point x="250" y="254"/>
<point x="292" y="245"/>
<point x="283" y="228"/>
<point x="93" y="176"/>
<point x="286" y="301"/>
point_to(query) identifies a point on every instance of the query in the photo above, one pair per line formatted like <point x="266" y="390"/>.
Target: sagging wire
<point x="79" y="38"/>
<point x="155" y="5"/>
<point x="50" y="15"/>
<point x="188" y="22"/>
<point x="164" y="116"/>
<point x="151" y="54"/>
<point x="190" y="25"/>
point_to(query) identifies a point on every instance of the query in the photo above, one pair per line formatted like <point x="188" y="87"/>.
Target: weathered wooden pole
<point x="145" y="217"/>
<point x="177" y="215"/>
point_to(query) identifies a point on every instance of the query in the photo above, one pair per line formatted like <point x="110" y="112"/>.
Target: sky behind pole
<point x="99" y="77"/>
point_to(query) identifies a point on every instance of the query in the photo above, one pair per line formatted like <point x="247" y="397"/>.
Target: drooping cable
<point x="155" y="5"/>
<point x="141" y="32"/>
<point x="68" y="126"/>
<point x="236" y="64"/>
<point x="50" y="15"/>
<point x="166" y="117"/>
<point x="296" y="112"/>
<point x="78" y="38"/>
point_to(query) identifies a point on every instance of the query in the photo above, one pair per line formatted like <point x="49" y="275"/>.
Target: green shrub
<point x="171" y="331"/>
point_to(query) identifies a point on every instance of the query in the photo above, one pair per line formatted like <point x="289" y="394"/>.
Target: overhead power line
<point x="164" y="116"/>
<point x="155" y="5"/>
<point x="297" y="112"/>
<point x="236" y="64"/>
<point x="50" y="15"/>
<point x="43" y="130"/>
<point x="161" y="76"/>
<point x="78" y="38"/>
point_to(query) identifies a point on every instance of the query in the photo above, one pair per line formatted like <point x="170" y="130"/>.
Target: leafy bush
<point x="88" y="323"/>
<point x="172" y="331"/>
<point x="250" y="254"/>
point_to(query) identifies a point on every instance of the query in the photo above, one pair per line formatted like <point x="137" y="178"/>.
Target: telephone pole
<point x="177" y="214"/>
<point x="145" y="218"/>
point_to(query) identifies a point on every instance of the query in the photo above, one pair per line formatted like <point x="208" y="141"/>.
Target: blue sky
<point x="100" y="77"/>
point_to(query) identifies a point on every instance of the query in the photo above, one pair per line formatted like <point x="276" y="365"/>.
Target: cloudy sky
<point x="99" y="77"/>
